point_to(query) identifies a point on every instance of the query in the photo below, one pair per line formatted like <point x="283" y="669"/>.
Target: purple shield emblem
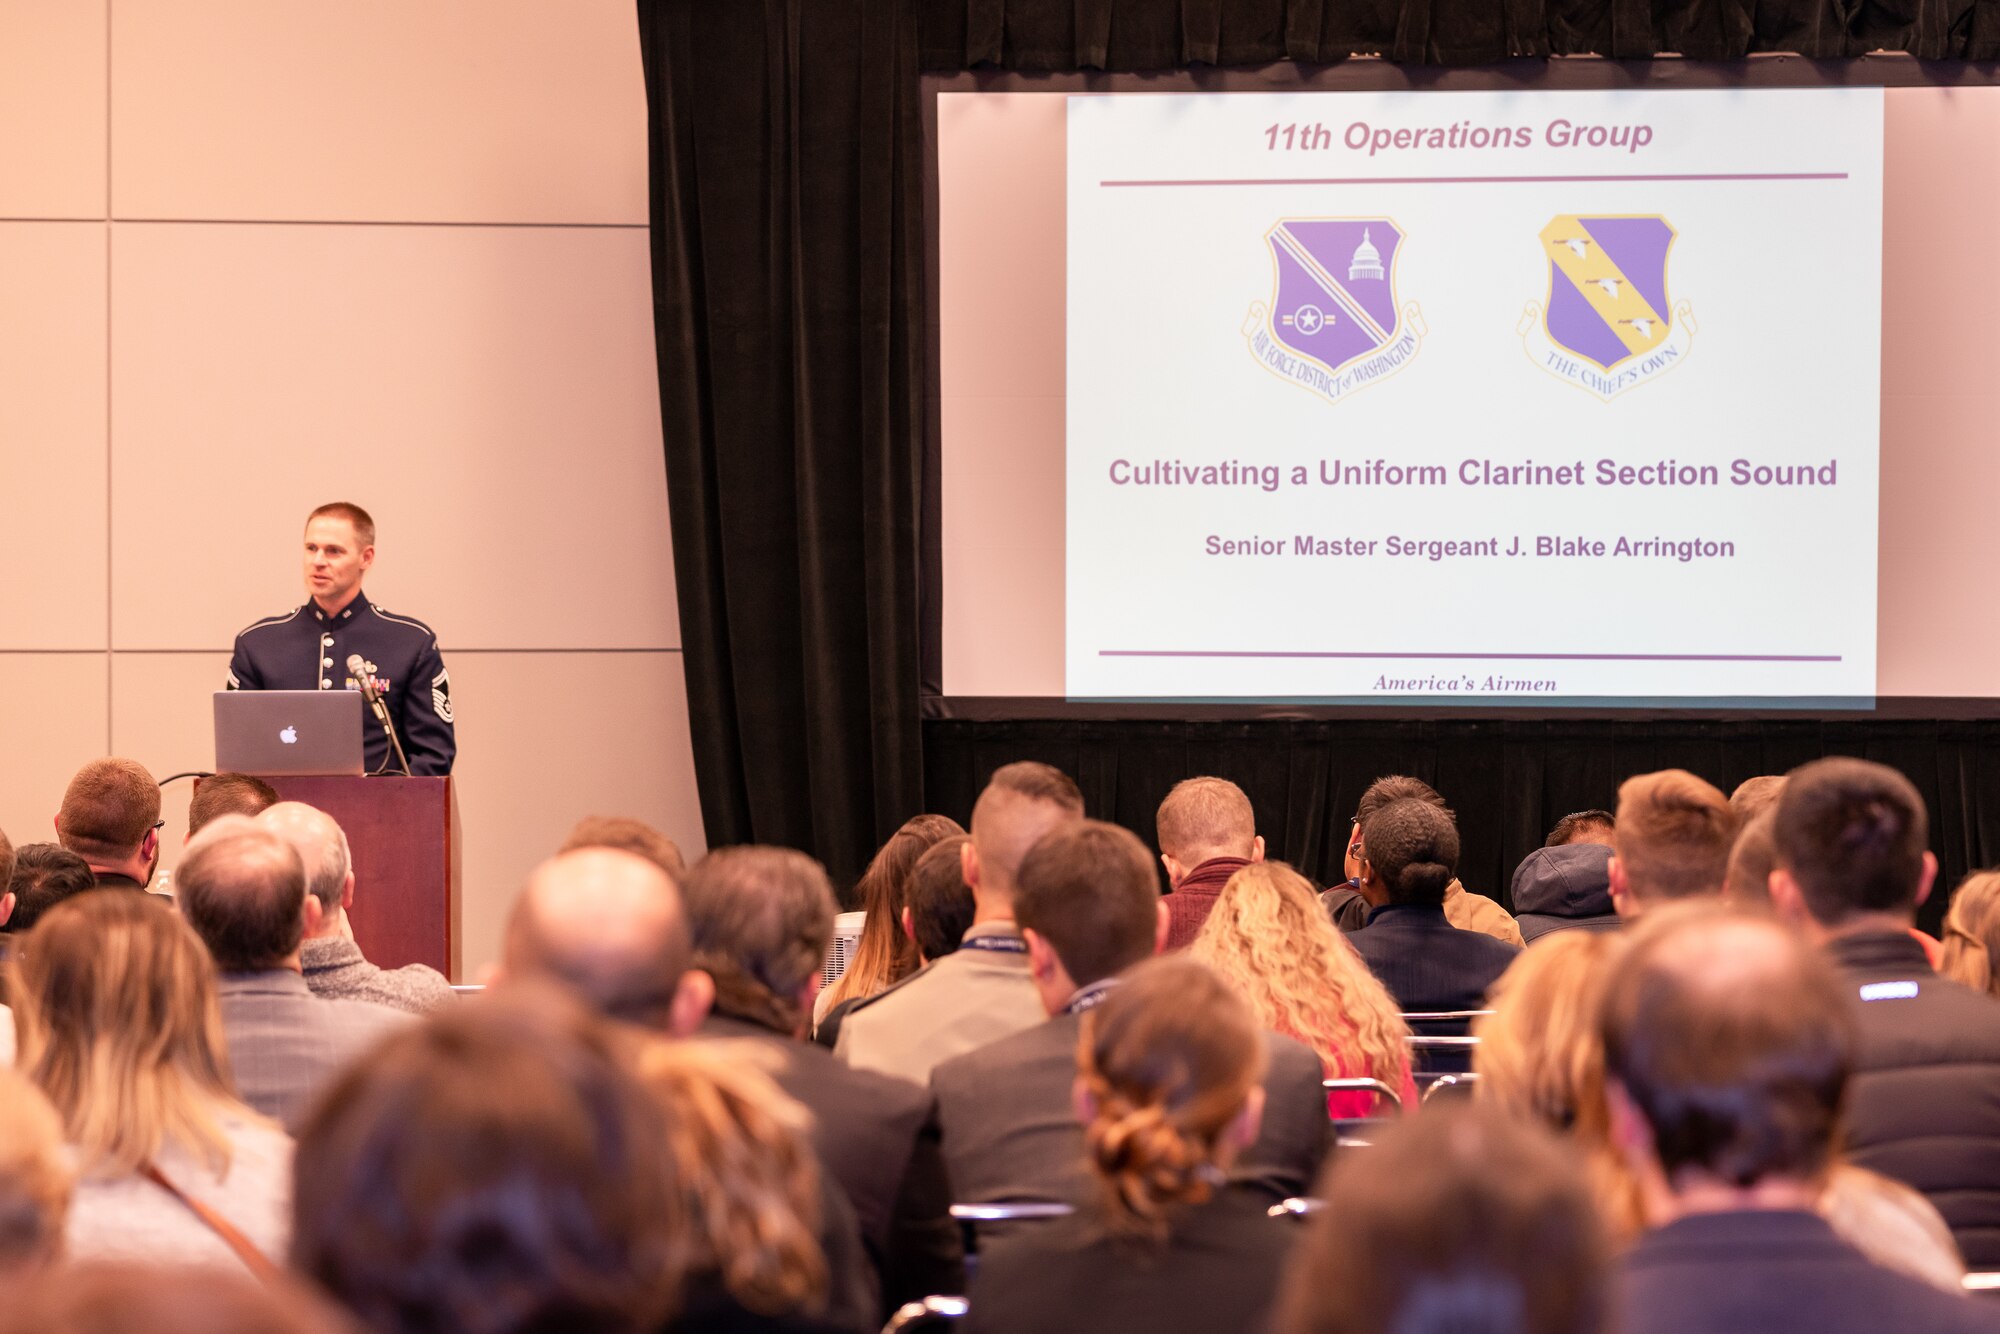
<point x="1608" y="285"/>
<point x="1336" y="293"/>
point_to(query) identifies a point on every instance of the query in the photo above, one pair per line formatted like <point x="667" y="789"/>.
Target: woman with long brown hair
<point x="120" y="1028"/>
<point x="885" y="954"/>
<point x="1269" y="937"/>
<point x="1972" y="933"/>
<point x="1169" y="1071"/>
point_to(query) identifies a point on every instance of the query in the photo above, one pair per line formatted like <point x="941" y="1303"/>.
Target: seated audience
<point x="44" y="875"/>
<point x="1168" y="1091"/>
<point x="1409" y="852"/>
<point x="1746" y="883"/>
<point x="1459" y="1221"/>
<point x="1540" y="1057"/>
<point x="1727" y="1049"/>
<point x="1592" y="826"/>
<point x="330" y="961"/>
<point x="628" y="835"/>
<point x="760" y="921"/>
<point x="1564" y="887"/>
<point x="1088" y="904"/>
<point x="938" y="909"/>
<point x="1462" y="908"/>
<point x="227" y="794"/>
<point x="1754" y="796"/>
<point x="1971" y="933"/>
<point x="740" y="1152"/>
<point x="494" y="1169"/>
<point x="35" y="1179"/>
<point x="608" y="926"/>
<point x="1268" y="938"/>
<point x="1924" y="1107"/>
<point x="119" y="1028"/>
<point x="243" y="890"/>
<point x="1892" y="1225"/>
<point x="982" y="992"/>
<point x="1672" y="842"/>
<point x="107" y="1297"/>
<point x="885" y="954"/>
<point x="110" y="817"/>
<point x="1207" y="833"/>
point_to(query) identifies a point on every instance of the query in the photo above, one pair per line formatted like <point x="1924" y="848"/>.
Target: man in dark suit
<point x="1851" y="842"/>
<point x="1727" y="1049"/>
<point x="735" y="952"/>
<point x="762" y="921"/>
<point x="1089" y="907"/>
<point x="1409" y="856"/>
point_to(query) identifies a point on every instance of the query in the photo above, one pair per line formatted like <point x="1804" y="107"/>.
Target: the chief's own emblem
<point x="1609" y="325"/>
<point x="1333" y="325"/>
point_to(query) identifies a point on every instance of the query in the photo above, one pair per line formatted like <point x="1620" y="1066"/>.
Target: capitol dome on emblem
<point x="1367" y="261"/>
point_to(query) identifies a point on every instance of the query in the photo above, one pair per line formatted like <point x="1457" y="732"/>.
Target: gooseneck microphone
<point x="357" y="667"/>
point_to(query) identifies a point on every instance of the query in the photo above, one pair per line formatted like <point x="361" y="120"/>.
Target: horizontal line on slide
<point x="1496" y="180"/>
<point x="1472" y="657"/>
<point x="372" y="222"/>
<point x="224" y="650"/>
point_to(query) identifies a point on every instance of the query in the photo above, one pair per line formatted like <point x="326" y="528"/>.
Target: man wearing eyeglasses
<point x="110" y="817"/>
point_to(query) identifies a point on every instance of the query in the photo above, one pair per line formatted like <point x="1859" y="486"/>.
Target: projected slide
<point x="1521" y="395"/>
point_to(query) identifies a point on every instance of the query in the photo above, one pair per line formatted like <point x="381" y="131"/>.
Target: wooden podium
<point x="399" y="830"/>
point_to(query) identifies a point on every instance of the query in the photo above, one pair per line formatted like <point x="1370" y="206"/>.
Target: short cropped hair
<point x="493" y="1169"/>
<point x="1089" y="889"/>
<point x="322" y="847"/>
<point x="1413" y="847"/>
<point x="1203" y="818"/>
<point x="243" y="890"/>
<point x="1734" y="1041"/>
<point x="1038" y="782"/>
<point x="1747" y="883"/>
<point x="1397" y="787"/>
<point x="44" y="875"/>
<point x="762" y="920"/>
<point x="228" y="794"/>
<point x="1463" y="1218"/>
<point x="628" y="835"/>
<point x="1592" y="826"/>
<point x="940" y="902"/>
<point x="1673" y="836"/>
<point x="108" y="809"/>
<point x="1853" y="835"/>
<point x="364" y="523"/>
<point x="1753" y="796"/>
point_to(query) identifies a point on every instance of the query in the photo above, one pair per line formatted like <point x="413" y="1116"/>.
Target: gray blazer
<point x="1010" y="1132"/>
<point x="285" y="1043"/>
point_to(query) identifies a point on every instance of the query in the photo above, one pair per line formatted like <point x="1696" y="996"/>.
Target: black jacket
<point x="1924" y="1106"/>
<point x="1011" y="1133"/>
<point x="305" y="649"/>
<point x="1427" y="963"/>
<point x="877" y="1138"/>
<point x="1759" y="1271"/>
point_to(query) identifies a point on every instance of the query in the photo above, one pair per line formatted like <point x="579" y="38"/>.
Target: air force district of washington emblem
<point x="1333" y="325"/>
<point x="1607" y="327"/>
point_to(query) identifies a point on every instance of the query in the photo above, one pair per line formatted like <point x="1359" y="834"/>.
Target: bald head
<point x="1733" y="1042"/>
<point x="608" y="925"/>
<point x="321" y="846"/>
<point x="1022" y="802"/>
<point x="243" y="890"/>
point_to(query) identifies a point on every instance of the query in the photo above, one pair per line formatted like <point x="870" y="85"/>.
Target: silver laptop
<point x="288" y="732"/>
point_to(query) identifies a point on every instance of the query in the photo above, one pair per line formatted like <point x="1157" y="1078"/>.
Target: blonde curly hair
<point x="1269" y="937"/>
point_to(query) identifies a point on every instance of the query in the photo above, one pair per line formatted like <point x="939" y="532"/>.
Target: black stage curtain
<point x="1508" y="781"/>
<point x="1041" y="36"/>
<point x="785" y="151"/>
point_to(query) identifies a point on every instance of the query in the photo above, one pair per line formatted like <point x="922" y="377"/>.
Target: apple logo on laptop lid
<point x="289" y="736"/>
